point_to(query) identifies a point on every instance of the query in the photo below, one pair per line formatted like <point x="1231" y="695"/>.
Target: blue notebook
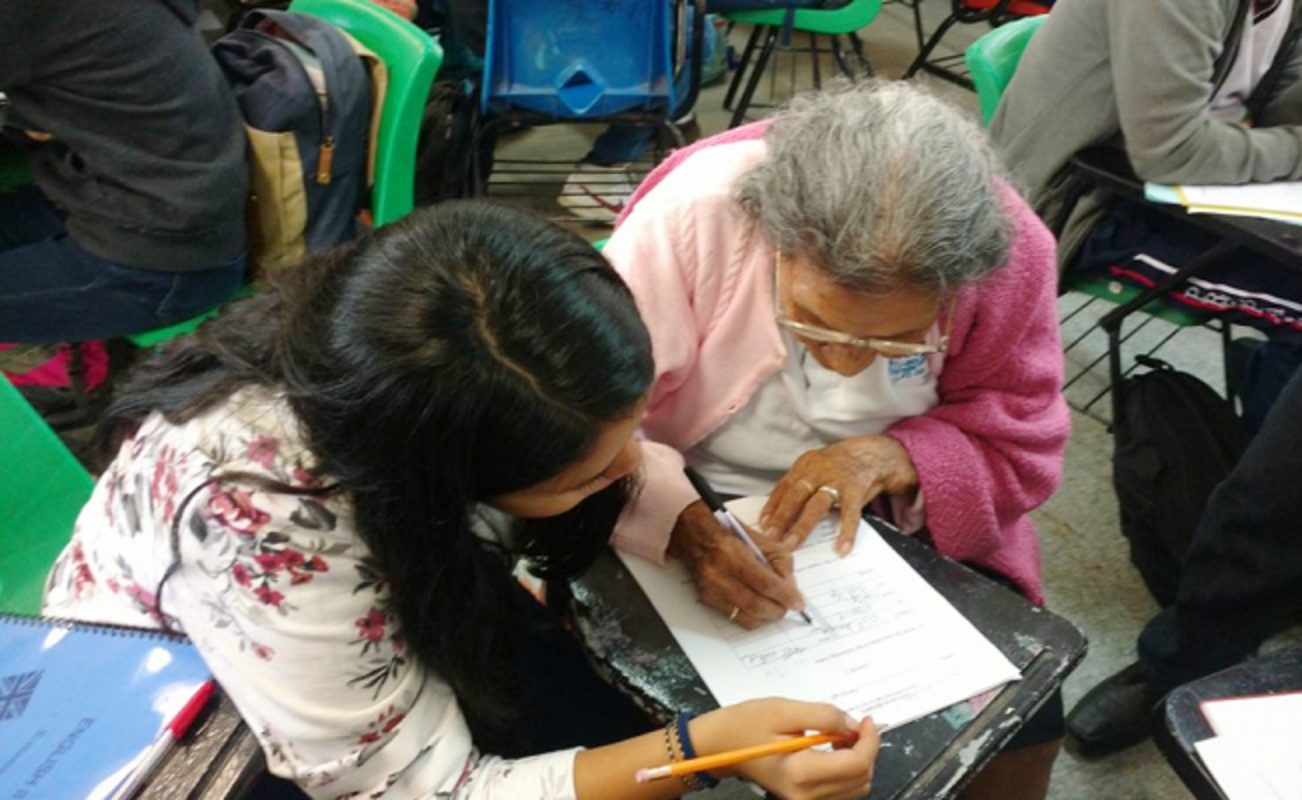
<point x="79" y="703"/>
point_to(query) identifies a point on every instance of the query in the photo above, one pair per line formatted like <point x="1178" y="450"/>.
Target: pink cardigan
<point x="701" y="270"/>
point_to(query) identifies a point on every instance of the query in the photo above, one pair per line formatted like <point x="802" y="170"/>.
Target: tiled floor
<point x="1087" y="576"/>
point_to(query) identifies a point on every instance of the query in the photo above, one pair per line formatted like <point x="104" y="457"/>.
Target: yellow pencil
<point x="733" y="757"/>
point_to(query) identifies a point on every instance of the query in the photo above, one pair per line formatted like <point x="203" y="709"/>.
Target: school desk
<point x="931" y="758"/>
<point x="1178" y="722"/>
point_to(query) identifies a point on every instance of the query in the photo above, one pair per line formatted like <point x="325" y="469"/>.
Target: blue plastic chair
<point x="574" y="59"/>
<point x="582" y="61"/>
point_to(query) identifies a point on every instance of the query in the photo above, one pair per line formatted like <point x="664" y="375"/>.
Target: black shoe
<point x="1114" y="715"/>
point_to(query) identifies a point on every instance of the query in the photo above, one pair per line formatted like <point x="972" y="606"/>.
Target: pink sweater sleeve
<point x="645" y="250"/>
<point x="993" y="449"/>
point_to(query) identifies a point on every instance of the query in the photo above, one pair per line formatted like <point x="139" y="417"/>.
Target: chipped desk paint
<point x="933" y="757"/>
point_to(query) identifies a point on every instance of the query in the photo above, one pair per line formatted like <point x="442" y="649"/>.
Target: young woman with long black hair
<point x="303" y="489"/>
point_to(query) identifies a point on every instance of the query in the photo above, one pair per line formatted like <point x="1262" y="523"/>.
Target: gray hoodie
<point x="1142" y="74"/>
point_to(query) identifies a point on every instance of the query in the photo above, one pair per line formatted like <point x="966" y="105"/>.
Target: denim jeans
<point x="52" y="290"/>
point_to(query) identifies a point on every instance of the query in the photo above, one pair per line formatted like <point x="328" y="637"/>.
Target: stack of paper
<point x="1256" y="753"/>
<point x="1278" y="201"/>
<point x="883" y="642"/>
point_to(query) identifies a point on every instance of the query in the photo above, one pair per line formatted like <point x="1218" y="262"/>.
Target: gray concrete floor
<point x="1087" y="576"/>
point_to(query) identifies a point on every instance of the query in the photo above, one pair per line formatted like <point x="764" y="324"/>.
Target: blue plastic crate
<point x="578" y="59"/>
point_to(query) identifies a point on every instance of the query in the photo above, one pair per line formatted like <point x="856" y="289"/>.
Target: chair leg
<point x="925" y="53"/>
<point x="817" y="68"/>
<point x="861" y="55"/>
<point x="757" y="72"/>
<point x="917" y="23"/>
<point x="1227" y="336"/>
<point x="482" y="132"/>
<point x="675" y="133"/>
<point x="838" y="55"/>
<point x="740" y="74"/>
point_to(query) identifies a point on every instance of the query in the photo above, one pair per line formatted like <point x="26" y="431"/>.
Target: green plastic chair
<point x="831" y="22"/>
<point x="844" y="21"/>
<point x="993" y="58"/>
<point x="42" y="490"/>
<point x="412" y="58"/>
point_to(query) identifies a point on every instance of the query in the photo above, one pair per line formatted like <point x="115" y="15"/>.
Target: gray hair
<point x="883" y="186"/>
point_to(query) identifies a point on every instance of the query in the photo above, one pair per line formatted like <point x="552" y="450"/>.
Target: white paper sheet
<point x="1276" y="716"/>
<point x="883" y="643"/>
<point x="1281" y="200"/>
<point x="1254" y="768"/>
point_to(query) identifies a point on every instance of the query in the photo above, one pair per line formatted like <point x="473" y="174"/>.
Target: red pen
<point x="170" y="734"/>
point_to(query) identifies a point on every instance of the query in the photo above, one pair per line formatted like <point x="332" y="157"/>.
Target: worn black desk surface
<point x="217" y="760"/>
<point x="930" y="758"/>
<point x="1178" y="722"/>
<point x="1109" y="168"/>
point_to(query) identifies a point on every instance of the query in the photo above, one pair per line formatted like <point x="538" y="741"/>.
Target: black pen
<point x="729" y="520"/>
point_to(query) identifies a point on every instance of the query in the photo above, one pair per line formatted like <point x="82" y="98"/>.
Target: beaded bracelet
<point x="705" y="779"/>
<point x="675" y="746"/>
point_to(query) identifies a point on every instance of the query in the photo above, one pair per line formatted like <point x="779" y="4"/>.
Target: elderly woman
<point x="848" y="307"/>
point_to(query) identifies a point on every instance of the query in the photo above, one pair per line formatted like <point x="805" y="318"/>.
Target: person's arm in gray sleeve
<point x="1163" y="55"/>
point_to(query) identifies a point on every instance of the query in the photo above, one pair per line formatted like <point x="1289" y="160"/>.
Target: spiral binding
<point x="99" y="628"/>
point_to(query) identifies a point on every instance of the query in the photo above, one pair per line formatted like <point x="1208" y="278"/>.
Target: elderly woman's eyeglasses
<point x="883" y="347"/>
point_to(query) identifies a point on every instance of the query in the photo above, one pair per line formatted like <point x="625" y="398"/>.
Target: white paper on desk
<point x="1254" y="768"/>
<point x="1277" y="716"/>
<point x="1280" y="200"/>
<point x="1290" y="219"/>
<point x="883" y="643"/>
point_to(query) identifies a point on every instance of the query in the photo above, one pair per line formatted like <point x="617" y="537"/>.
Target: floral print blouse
<point x="276" y="592"/>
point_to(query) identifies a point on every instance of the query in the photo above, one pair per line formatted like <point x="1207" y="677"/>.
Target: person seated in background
<point x="1197" y="92"/>
<point x="299" y="486"/>
<point x="848" y="307"/>
<point x="136" y="218"/>
<point x="1238" y="586"/>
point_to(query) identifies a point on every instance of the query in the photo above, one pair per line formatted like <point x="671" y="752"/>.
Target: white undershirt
<point x="1263" y="35"/>
<point x="807" y="407"/>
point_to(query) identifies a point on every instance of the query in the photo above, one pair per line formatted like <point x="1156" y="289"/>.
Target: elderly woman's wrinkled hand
<point x="847" y="475"/>
<point x="728" y="575"/>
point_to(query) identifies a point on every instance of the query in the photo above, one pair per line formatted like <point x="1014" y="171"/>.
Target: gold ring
<point x="735" y="611"/>
<point x="833" y="492"/>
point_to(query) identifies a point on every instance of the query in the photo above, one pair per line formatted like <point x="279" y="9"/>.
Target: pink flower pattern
<point x="249" y="546"/>
<point x="262" y="451"/>
<point x="234" y="509"/>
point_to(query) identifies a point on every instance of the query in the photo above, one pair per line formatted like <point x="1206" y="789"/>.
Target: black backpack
<point x="443" y="162"/>
<point x="1176" y="440"/>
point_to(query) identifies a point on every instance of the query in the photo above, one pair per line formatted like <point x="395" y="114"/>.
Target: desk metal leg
<point x="1114" y="319"/>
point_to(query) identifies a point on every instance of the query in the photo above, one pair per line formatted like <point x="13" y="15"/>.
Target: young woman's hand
<point x="728" y="576"/>
<point x="847" y="475"/>
<point x="809" y="774"/>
